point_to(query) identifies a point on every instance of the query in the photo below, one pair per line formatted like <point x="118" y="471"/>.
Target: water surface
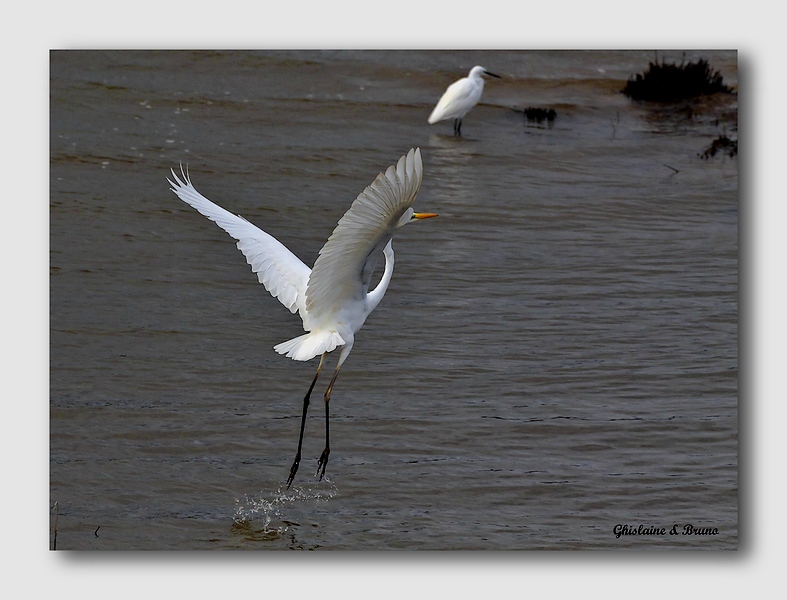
<point x="556" y="354"/>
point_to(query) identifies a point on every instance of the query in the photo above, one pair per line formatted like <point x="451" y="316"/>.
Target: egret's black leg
<point x="323" y="462"/>
<point x="296" y="462"/>
<point x="457" y="126"/>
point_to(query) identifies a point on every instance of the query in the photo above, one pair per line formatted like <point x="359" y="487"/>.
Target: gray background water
<point x="557" y="353"/>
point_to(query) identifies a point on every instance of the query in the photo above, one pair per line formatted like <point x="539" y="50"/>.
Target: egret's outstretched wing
<point x="281" y="272"/>
<point x="342" y="269"/>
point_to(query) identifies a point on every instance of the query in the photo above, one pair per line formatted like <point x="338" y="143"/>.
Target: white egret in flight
<point x="333" y="298"/>
<point x="460" y="97"/>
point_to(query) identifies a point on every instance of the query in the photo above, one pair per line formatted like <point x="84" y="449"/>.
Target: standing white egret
<point x="333" y="298"/>
<point x="460" y="97"/>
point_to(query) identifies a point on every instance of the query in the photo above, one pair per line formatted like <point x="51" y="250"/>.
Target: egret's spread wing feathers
<point x="342" y="269"/>
<point x="281" y="272"/>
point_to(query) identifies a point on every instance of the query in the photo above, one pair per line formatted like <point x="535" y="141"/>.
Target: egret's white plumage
<point x="332" y="299"/>
<point x="460" y="97"/>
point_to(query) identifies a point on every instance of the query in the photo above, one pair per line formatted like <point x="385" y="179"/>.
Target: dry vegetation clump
<point x="671" y="82"/>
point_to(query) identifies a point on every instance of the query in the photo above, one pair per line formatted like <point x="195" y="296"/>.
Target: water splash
<point x="270" y="516"/>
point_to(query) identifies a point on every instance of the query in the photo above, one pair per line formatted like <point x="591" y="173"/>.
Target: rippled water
<point x="556" y="354"/>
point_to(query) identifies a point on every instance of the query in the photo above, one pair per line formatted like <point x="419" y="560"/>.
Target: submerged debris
<point x="539" y="115"/>
<point x="723" y="145"/>
<point x="670" y="82"/>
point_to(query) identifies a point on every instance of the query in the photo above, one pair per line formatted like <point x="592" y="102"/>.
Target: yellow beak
<point x="424" y="215"/>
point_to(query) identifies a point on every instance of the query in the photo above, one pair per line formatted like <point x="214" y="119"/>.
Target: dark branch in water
<point x="56" y="508"/>
<point x="723" y="145"/>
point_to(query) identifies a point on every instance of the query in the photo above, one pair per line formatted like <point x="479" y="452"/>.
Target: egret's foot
<point x="293" y="470"/>
<point x="322" y="463"/>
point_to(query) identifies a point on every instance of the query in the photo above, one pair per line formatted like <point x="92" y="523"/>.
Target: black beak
<point x="492" y="74"/>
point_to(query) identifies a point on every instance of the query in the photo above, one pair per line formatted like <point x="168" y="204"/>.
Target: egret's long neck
<point x="373" y="298"/>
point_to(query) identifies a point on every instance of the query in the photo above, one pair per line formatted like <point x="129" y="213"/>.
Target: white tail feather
<point x="306" y="347"/>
